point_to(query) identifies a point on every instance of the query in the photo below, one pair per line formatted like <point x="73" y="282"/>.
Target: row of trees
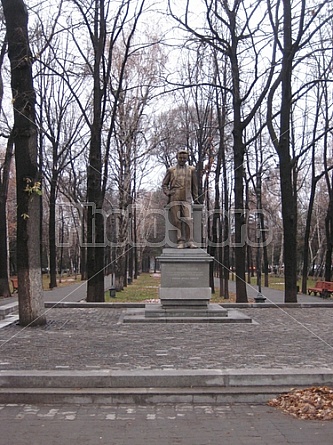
<point x="245" y="88"/>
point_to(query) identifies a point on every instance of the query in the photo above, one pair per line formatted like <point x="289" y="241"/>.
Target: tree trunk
<point x="225" y="254"/>
<point x="135" y="239"/>
<point x="4" y="279"/>
<point x="239" y="152"/>
<point x="329" y="241"/>
<point x="83" y="249"/>
<point x="240" y="252"/>
<point x="30" y="291"/>
<point x="264" y="249"/>
<point x="95" y="223"/>
<point x="288" y="199"/>
<point x="282" y="146"/>
<point x="52" y="233"/>
<point x="121" y="243"/>
<point x="289" y="230"/>
<point x="217" y="223"/>
<point x="4" y="180"/>
<point x="307" y="237"/>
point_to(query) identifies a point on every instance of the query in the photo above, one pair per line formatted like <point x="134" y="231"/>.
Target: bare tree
<point x="28" y="183"/>
<point x="220" y="226"/>
<point x="105" y="28"/>
<point x="63" y="141"/>
<point x="139" y="81"/>
<point x="292" y="32"/>
<point x="315" y="176"/>
<point x="4" y="182"/>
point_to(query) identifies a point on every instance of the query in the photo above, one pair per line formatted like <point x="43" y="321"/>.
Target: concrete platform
<point x="214" y="313"/>
<point x="210" y="310"/>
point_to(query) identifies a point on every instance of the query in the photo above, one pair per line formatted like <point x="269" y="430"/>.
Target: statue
<point x="181" y="186"/>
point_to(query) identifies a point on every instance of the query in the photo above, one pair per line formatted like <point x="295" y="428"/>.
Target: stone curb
<point x="104" y="378"/>
<point x="119" y="305"/>
<point x="139" y="396"/>
<point x="7" y="309"/>
<point x="143" y="386"/>
<point x="12" y="307"/>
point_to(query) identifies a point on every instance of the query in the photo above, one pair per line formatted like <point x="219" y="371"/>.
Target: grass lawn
<point x="146" y="286"/>
<point x="64" y="281"/>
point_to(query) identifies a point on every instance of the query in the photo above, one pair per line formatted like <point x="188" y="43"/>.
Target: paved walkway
<point x="88" y="338"/>
<point x="157" y="425"/>
<point x="92" y="339"/>
<point x="73" y="292"/>
<point x="77" y="292"/>
<point x="276" y="296"/>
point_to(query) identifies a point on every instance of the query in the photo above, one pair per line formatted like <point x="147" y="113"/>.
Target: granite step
<point x="141" y="396"/>
<point x="9" y="308"/>
<point x="156" y="386"/>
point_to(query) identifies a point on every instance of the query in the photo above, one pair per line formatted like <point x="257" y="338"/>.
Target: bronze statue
<point x="181" y="186"/>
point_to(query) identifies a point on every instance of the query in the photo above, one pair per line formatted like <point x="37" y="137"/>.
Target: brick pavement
<point x="95" y="338"/>
<point x="88" y="338"/>
<point x="157" y="424"/>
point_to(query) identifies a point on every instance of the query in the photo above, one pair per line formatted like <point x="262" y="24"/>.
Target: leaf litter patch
<point x="314" y="403"/>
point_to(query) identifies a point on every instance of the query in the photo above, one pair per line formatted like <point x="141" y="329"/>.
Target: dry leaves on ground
<point x="315" y="403"/>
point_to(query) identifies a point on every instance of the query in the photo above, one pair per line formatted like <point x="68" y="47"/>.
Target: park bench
<point x="323" y="288"/>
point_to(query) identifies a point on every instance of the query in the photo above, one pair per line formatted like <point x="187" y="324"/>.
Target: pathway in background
<point x="274" y="295"/>
<point x="77" y="292"/>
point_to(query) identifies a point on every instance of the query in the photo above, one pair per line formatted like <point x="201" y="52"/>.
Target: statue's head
<point x="182" y="157"/>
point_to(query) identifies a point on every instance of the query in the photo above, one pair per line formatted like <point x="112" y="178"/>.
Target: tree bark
<point x="95" y="222"/>
<point x="4" y="279"/>
<point x="239" y="153"/>
<point x="52" y="232"/>
<point x="4" y="180"/>
<point x="30" y="291"/>
<point x="288" y="199"/>
<point x="307" y="235"/>
<point x="282" y="146"/>
<point x="329" y="240"/>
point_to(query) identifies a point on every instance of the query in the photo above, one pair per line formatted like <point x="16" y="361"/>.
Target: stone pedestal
<point x="184" y="291"/>
<point x="184" y="278"/>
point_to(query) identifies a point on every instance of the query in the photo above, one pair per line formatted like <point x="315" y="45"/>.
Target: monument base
<point x="157" y="310"/>
<point x="179" y="296"/>
<point x="185" y="278"/>
<point x="154" y="313"/>
<point x="184" y="293"/>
